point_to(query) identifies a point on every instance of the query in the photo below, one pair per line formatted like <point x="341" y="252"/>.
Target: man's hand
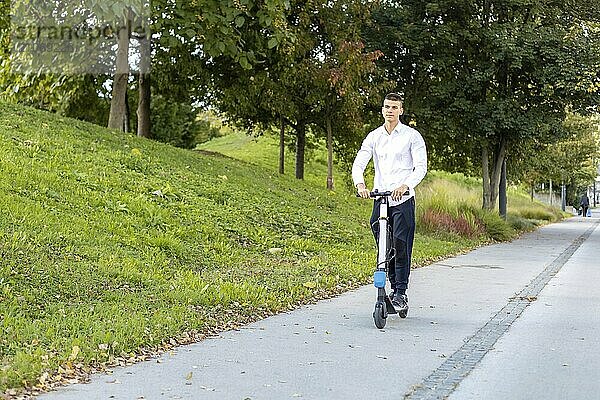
<point x="363" y="191"/>
<point x="398" y="192"/>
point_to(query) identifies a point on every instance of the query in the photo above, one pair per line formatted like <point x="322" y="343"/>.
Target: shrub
<point x="496" y="227"/>
<point x="537" y="213"/>
<point x="440" y="221"/>
<point x="521" y="224"/>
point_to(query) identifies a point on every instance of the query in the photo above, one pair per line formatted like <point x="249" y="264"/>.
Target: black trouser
<point x="584" y="210"/>
<point x="401" y="225"/>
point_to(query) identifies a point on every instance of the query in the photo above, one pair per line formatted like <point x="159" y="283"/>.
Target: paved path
<point x="507" y="321"/>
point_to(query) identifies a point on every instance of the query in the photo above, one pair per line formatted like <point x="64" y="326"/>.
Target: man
<point x="585" y="204"/>
<point x="400" y="161"/>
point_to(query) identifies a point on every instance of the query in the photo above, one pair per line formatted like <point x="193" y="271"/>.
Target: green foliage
<point x="496" y="227"/>
<point x="325" y="74"/>
<point x="188" y="35"/>
<point x="180" y="124"/>
<point x="571" y="160"/>
<point x="4" y="29"/>
<point x="193" y="37"/>
<point x="487" y="75"/>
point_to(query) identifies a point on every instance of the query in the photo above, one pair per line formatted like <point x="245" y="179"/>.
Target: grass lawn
<point x="114" y="247"/>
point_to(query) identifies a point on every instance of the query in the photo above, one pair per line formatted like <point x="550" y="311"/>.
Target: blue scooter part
<point x="379" y="278"/>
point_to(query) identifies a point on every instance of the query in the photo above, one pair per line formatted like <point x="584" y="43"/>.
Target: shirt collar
<point x="395" y="130"/>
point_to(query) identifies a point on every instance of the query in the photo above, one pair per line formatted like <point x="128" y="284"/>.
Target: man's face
<point x="391" y="110"/>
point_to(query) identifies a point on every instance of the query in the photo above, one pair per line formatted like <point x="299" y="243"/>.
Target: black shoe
<point x="400" y="302"/>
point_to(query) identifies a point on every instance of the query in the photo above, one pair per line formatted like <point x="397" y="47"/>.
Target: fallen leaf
<point x="43" y="378"/>
<point x="189" y="376"/>
<point x="74" y="353"/>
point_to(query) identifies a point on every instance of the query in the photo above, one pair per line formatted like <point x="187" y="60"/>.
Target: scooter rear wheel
<point x="379" y="315"/>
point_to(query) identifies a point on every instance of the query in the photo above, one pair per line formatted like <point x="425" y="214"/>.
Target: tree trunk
<point x="485" y="168"/>
<point x="300" y="145"/>
<point x="491" y="180"/>
<point x="282" y="146"/>
<point x="116" y="118"/>
<point x="551" y="197"/>
<point x="495" y="181"/>
<point x="329" y="154"/>
<point x="143" y="110"/>
<point x="127" y="116"/>
<point x="532" y="190"/>
<point x="502" y="191"/>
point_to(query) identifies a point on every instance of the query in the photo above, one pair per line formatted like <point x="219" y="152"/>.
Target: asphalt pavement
<point x="511" y="320"/>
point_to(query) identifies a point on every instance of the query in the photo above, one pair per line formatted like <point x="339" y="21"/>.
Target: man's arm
<point x="419" y="156"/>
<point x="360" y="163"/>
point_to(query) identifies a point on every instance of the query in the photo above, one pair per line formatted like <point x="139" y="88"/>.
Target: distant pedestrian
<point x="585" y="204"/>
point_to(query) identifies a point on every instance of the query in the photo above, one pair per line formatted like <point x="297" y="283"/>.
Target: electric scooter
<point x="383" y="305"/>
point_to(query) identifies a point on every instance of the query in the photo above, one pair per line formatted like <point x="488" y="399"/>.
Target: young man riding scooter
<point x="400" y="160"/>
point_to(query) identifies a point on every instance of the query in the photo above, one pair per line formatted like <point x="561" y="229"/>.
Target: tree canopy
<point x="484" y="77"/>
<point x="325" y="74"/>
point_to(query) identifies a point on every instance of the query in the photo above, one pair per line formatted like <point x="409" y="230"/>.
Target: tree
<point x="347" y="85"/>
<point x="571" y="161"/>
<point x="310" y="84"/>
<point x="144" y="125"/>
<point x="484" y="77"/>
<point x="187" y="36"/>
<point x="19" y="80"/>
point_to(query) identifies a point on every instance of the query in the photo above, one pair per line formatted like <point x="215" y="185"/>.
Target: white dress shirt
<point x="399" y="157"/>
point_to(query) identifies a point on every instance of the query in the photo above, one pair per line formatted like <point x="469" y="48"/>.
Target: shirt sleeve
<point x="362" y="159"/>
<point x="419" y="156"/>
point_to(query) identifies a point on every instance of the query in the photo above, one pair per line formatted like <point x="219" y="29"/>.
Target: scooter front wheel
<point x="379" y="315"/>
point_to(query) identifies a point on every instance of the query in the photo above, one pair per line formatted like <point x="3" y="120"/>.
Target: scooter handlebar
<point x="377" y="194"/>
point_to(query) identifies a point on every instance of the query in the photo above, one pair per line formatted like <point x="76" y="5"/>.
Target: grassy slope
<point x="110" y="244"/>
